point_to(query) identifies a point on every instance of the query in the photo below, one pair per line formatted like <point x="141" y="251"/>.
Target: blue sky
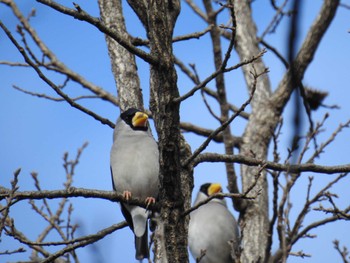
<point x="35" y="132"/>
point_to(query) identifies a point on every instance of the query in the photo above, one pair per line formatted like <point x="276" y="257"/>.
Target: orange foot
<point x="127" y="195"/>
<point x="150" y="200"/>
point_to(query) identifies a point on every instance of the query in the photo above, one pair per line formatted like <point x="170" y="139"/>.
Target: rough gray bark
<point x="256" y="138"/>
<point x="159" y="19"/>
<point x="122" y="61"/>
<point x="266" y="112"/>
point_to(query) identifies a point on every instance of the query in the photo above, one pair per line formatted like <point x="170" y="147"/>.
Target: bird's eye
<point x="128" y="119"/>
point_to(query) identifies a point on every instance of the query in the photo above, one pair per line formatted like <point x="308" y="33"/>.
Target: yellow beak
<point x="140" y="119"/>
<point x="214" y="189"/>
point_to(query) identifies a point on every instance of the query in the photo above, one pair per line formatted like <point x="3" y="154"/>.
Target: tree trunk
<point x="159" y="17"/>
<point x="122" y="61"/>
<point x="254" y="219"/>
<point x="161" y="21"/>
<point x="266" y="111"/>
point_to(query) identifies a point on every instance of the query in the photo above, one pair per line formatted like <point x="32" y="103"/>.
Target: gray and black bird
<point x="213" y="233"/>
<point x="134" y="164"/>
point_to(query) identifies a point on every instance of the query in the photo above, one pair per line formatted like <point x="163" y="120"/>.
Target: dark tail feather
<point x="141" y="245"/>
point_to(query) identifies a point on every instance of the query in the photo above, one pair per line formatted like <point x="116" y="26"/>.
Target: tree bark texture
<point x="161" y="21"/>
<point x="176" y="183"/>
<point x="122" y="61"/>
<point x="267" y="109"/>
<point x="256" y="137"/>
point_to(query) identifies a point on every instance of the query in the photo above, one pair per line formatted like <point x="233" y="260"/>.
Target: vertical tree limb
<point x="161" y="21"/>
<point x="123" y="62"/>
<point x="266" y="111"/>
<point x="256" y="138"/>
<point x="215" y="35"/>
<point x="175" y="184"/>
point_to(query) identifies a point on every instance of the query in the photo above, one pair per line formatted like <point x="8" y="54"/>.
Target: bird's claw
<point x="150" y="200"/>
<point x="127" y="195"/>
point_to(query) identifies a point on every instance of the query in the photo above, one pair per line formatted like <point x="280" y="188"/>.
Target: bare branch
<point x="295" y="234"/>
<point x="343" y="252"/>
<point x="186" y="70"/>
<point x="275" y="20"/>
<point x="87" y="240"/>
<point x="331" y="139"/>
<point x="13" y="64"/>
<point x="16" y="234"/>
<point x="42" y="95"/>
<point x="9" y="200"/>
<point x="217" y="131"/>
<point x="299" y="254"/>
<point x="307" y="51"/>
<point x="189" y="127"/>
<point x="197" y="10"/>
<point x="8" y="252"/>
<point x="80" y="14"/>
<point x="196" y="35"/>
<point x="233" y="108"/>
<point x="70" y="192"/>
<point x="218" y="195"/>
<point x="216" y="73"/>
<point x="54" y="63"/>
<point x="50" y="83"/>
<point x="291" y="168"/>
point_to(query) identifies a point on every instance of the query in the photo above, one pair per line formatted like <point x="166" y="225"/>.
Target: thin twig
<point x="343" y="252"/>
<point x="9" y="200"/>
<point x="218" y="195"/>
<point x="216" y="73"/>
<point x="83" y="16"/>
<point x="51" y="84"/>
<point x="87" y="241"/>
<point x="218" y="130"/>
<point x="8" y="252"/>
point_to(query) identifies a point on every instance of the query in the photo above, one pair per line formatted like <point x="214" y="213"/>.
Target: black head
<point x="135" y="118"/>
<point x="210" y="188"/>
<point x="204" y="188"/>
